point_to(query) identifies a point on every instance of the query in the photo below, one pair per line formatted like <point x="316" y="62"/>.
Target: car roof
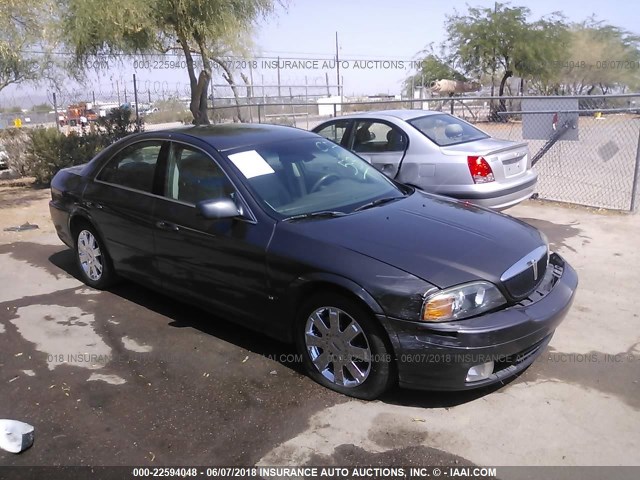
<point x="401" y="114"/>
<point x="228" y="136"/>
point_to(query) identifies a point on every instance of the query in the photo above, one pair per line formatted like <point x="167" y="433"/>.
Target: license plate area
<point x="514" y="166"/>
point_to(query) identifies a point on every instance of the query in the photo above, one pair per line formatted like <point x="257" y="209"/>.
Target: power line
<point x="327" y="56"/>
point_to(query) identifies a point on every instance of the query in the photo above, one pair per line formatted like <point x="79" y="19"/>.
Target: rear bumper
<point x="438" y="356"/>
<point x="497" y="196"/>
<point x="60" y="219"/>
<point x="502" y="202"/>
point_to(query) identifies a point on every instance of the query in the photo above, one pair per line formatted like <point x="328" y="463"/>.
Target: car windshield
<point x="311" y="175"/>
<point x="444" y="129"/>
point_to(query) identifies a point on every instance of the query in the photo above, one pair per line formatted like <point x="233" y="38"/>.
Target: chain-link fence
<point x="586" y="148"/>
<point x="159" y="102"/>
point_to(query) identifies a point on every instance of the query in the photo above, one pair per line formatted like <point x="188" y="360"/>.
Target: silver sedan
<point x="438" y="153"/>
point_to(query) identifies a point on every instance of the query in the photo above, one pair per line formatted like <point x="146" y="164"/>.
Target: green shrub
<point x="118" y="123"/>
<point x="15" y="141"/>
<point x="49" y="150"/>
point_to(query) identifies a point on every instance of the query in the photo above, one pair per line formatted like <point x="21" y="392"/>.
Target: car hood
<point x="442" y="241"/>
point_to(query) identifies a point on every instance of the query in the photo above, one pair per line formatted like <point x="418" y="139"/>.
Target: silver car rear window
<point x="444" y="129"/>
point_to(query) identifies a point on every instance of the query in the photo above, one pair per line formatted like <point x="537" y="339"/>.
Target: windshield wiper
<point x="323" y="214"/>
<point x="377" y="202"/>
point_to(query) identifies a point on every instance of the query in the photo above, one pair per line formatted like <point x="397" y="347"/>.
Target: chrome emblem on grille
<point x="530" y="260"/>
<point x="533" y="263"/>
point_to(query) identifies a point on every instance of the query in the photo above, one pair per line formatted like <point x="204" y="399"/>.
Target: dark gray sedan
<point x="294" y="236"/>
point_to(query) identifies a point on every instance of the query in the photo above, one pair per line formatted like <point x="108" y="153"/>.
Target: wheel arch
<point x="350" y="290"/>
<point x="308" y="285"/>
<point x="78" y="218"/>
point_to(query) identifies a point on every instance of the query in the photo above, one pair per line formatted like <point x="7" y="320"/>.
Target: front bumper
<point x="437" y="356"/>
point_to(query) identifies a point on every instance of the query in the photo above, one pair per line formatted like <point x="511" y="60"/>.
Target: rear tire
<point x="343" y="347"/>
<point x="92" y="258"/>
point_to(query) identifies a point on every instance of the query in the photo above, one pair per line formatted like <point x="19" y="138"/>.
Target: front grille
<point x="527" y="278"/>
<point x="554" y="271"/>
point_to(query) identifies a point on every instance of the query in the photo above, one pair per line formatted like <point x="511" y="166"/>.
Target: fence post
<point x="306" y="99"/>
<point x="335" y="110"/>
<point x="260" y="113"/>
<point x="279" y="92"/>
<point x="135" y="98"/>
<point x="636" y="179"/>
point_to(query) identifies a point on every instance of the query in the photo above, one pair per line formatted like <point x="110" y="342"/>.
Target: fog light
<point x="480" y="372"/>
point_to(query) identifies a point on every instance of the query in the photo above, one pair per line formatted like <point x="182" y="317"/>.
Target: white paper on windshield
<point x="251" y="164"/>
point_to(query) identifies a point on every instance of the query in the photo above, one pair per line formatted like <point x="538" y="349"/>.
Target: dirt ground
<point x="128" y="377"/>
<point x="22" y="202"/>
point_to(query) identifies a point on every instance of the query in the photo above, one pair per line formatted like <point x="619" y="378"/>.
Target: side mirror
<point x="217" y="208"/>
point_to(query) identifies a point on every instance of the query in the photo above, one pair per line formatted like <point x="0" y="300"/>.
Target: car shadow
<point x="184" y="315"/>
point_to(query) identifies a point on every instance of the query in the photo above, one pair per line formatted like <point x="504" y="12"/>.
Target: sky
<point x="396" y="29"/>
<point x="374" y="30"/>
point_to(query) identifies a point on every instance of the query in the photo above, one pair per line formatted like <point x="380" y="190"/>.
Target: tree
<point x="197" y="28"/>
<point x="432" y="68"/>
<point x="23" y="31"/>
<point x="503" y="41"/>
<point x="599" y="58"/>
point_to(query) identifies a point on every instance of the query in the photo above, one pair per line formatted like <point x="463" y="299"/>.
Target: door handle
<point x="93" y="205"/>
<point x="172" y="227"/>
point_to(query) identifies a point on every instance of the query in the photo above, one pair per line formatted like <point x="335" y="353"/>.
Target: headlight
<point x="462" y="301"/>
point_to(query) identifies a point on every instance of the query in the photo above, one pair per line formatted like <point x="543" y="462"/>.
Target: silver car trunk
<point x="508" y="160"/>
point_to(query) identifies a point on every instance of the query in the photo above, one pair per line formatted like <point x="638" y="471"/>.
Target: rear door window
<point x="133" y="167"/>
<point x="377" y="137"/>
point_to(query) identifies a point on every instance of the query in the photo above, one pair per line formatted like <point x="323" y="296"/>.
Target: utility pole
<point x="55" y="109"/>
<point x="338" y="68"/>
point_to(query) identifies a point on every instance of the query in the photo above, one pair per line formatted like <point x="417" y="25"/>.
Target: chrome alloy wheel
<point x="338" y="347"/>
<point x="89" y="255"/>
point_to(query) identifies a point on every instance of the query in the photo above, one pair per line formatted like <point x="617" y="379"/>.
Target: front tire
<point x="93" y="259"/>
<point x="343" y="347"/>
